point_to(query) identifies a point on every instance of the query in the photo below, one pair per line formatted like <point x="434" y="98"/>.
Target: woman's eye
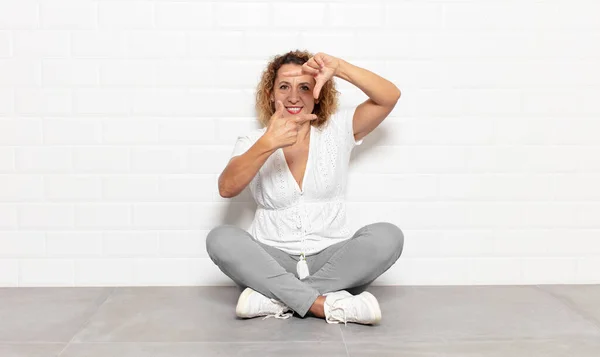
<point x="305" y="88"/>
<point x="283" y="86"/>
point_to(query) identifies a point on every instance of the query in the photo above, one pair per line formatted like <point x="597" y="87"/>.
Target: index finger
<point x="304" y="117"/>
<point x="294" y="73"/>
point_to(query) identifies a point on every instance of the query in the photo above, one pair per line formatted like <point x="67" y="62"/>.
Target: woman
<point x="298" y="254"/>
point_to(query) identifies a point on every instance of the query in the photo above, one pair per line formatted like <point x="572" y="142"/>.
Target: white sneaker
<point x="362" y="308"/>
<point x="337" y="294"/>
<point x="252" y="304"/>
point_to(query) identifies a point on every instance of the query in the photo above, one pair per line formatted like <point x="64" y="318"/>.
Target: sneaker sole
<point x="374" y="304"/>
<point x="242" y="303"/>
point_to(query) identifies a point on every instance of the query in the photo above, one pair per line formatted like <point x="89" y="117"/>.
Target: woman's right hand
<point x="283" y="131"/>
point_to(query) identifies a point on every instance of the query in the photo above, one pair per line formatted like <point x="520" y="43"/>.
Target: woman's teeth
<point x="293" y="110"/>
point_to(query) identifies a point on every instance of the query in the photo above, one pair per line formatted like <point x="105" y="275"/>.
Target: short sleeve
<point x="242" y="144"/>
<point x="345" y="120"/>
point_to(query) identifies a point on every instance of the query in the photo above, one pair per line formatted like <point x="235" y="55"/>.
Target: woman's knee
<point x="221" y="238"/>
<point x="389" y="235"/>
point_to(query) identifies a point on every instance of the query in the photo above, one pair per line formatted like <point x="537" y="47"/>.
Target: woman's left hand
<point x="321" y="66"/>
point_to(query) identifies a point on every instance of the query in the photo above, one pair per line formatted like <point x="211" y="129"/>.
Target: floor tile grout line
<point x="572" y="306"/>
<point x="191" y="342"/>
<point x="31" y="343"/>
<point x="440" y="341"/>
<point x="87" y="321"/>
<point x="344" y="341"/>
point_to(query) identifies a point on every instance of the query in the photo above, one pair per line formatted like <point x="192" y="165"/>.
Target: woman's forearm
<point x="241" y="169"/>
<point x="377" y="88"/>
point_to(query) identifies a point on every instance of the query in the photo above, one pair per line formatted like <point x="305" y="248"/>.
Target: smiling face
<point x="296" y="92"/>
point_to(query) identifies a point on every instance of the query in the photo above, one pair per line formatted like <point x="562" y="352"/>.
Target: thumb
<point x="317" y="89"/>
<point x="278" y="108"/>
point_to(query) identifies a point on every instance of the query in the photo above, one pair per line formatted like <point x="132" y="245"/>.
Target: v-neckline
<point x="296" y="185"/>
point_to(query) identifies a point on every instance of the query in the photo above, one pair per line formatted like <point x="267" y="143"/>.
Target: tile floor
<point x="498" y="321"/>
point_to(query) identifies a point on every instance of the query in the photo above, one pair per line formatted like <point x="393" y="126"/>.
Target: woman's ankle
<point x="317" y="309"/>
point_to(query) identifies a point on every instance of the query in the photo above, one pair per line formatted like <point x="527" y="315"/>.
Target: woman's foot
<point x="253" y="304"/>
<point x="318" y="307"/>
<point x="344" y="307"/>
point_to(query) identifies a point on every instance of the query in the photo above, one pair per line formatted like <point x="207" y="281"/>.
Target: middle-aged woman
<point x="298" y="254"/>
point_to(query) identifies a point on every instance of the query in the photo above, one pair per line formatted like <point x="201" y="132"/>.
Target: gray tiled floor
<point x="456" y="321"/>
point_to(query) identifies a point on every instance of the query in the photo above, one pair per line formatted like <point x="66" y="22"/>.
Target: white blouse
<point x="310" y="218"/>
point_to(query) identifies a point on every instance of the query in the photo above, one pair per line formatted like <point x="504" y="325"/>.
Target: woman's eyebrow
<point x="298" y="83"/>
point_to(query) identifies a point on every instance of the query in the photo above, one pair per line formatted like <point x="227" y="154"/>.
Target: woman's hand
<point x="283" y="131"/>
<point x="322" y="66"/>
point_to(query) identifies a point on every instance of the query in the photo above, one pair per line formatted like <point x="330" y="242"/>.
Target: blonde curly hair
<point x="326" y="105"/>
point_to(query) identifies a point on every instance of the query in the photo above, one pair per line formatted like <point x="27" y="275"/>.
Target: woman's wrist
<point x="266" y="144"/>
<point x="342" y="70"/>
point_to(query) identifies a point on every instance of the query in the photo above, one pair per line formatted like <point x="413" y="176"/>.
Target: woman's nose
<point x="293" y="95"/>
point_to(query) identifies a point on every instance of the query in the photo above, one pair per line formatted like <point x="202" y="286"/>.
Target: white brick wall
<point x="116" y="118"/>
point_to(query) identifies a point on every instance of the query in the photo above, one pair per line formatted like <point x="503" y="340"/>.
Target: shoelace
<point x="344" y="320"/>
<point x="280" y="314"/>
<point x="333" y="308"/>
